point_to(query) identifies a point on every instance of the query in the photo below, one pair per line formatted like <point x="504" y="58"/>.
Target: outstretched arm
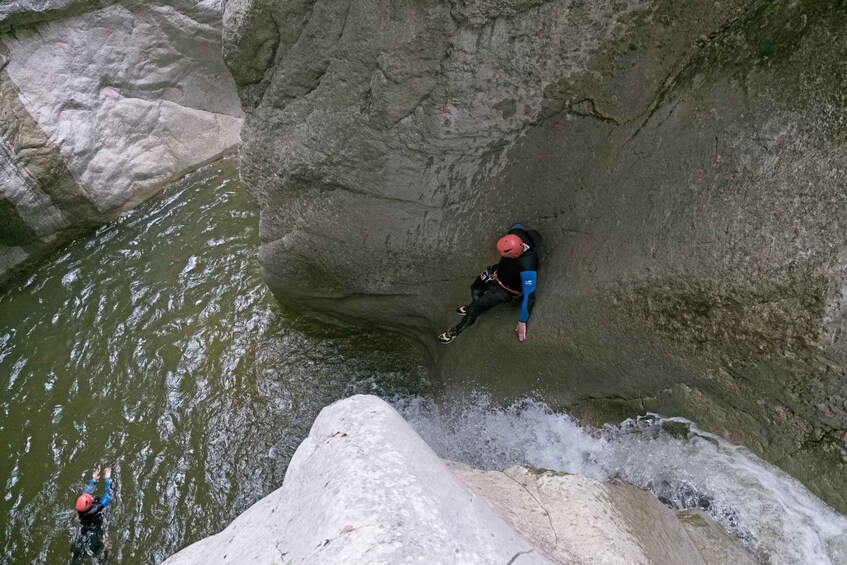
<point x="529" y="281"/>
<point x="107" y="498"/>
<point x="89" y="488"/>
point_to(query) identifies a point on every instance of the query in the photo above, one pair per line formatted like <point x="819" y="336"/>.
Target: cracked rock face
<point x="684" y="163"/>
<point x="103" y="103"/>
<point x="580" y="521"/>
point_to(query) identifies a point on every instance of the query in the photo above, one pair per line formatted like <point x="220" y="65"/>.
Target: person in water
<point x="514" y="277"/>
<point x="91" y="540"/>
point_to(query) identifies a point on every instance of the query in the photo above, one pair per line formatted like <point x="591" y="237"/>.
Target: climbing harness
<point x="514" y="293"/>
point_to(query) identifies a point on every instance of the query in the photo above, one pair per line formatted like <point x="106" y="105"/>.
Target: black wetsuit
<point x="93" y="517"/>
<point x="90" y="539"/>
<point x="519" y="275"/>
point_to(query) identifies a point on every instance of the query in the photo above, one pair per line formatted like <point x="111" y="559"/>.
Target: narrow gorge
<point x="231" y="230"/>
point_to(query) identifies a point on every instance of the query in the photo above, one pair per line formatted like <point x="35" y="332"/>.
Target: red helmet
<point x="510" y="246"/>
<point x="84" y="502"/>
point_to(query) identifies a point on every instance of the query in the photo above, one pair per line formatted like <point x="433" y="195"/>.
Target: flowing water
<point x="153" y="346"/>
<point x="773" y="515"/>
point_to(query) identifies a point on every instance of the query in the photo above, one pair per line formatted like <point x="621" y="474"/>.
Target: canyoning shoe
<point x="448" y="336"/>
<point x="462" y="310"/>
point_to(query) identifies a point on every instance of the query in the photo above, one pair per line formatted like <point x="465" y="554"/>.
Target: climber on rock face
<point x="514" y="277"/>
<point x="91" y="540"/>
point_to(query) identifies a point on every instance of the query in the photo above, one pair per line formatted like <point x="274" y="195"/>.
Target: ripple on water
<point x="153" y="346"/>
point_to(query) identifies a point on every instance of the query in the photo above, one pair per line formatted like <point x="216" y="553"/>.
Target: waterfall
<point x="772" y="514"/>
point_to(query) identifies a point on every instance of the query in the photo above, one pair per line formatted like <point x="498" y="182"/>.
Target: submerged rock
<point x="685" y="164"/>
<point x="101" y="104"/>
<point x="713" y="543"/>
<point x="365" y="488"/>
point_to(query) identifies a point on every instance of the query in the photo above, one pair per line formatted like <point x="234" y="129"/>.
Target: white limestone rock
<point x="23" y="12"/>
<point x="130" y="95"/>
<point x="365" y="488"/>
<point x="579" y="520"/>
<point x="118" y="99"/>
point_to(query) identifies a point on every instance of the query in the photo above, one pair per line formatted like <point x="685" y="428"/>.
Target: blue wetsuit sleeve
<point x="89" y="488"/>
<point x="529" y="280"/>
<point x="516" y="226"/>
<point x="107" y="498"/>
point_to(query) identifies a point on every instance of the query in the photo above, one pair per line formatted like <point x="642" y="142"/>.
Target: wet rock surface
<point x="685" y="164"/>
<point x="103" y="103"/>
<point x="578" y="520"/>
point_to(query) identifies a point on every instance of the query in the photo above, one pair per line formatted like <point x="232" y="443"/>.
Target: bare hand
<point x="107" y="472"/>
<point x="521" y="329"/>
<point x="95" y="474"/>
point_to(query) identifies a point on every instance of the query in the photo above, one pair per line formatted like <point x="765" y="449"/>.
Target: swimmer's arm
<point x="107" y="498"/>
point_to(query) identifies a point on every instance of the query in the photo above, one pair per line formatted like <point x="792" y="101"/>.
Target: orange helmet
<point x="84" y="502"/>
<point x="510" y="246"/>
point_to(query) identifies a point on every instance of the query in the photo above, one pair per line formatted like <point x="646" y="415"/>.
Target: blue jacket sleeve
<point x="89" y="488"/>
<point x="107" y="498"/>
<point x="529" y="281"/>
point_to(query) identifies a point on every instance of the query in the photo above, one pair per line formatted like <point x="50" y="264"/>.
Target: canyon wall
<point x="685" y="162"/>
<point x="102" y="103"/>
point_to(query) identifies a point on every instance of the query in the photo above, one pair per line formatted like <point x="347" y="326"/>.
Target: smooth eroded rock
<point x="685" y="164"/>
<point x="579" y="520"/>
<point x="103" y="103"/>
<point x="713" y="542"/>
<point x="364" y="488"/>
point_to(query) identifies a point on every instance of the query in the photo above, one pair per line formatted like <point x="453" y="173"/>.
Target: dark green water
<point x="153" y="346"/>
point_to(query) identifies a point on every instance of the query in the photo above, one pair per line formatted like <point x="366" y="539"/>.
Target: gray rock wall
<point x="684" y="161"/>
<point x="103" y="103"/>
<point x="25" y="12"/>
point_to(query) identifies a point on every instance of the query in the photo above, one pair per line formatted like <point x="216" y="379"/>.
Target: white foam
<point x="771" y="513"/>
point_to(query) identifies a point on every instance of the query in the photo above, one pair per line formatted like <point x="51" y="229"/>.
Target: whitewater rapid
<point x="774" y="516"/>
